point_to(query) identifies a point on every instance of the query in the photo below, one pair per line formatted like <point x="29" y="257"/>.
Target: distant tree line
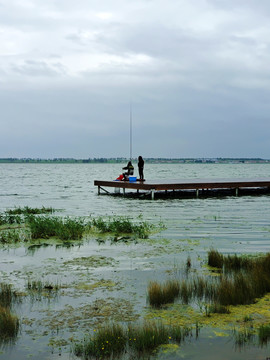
<point x="123" y="160"/>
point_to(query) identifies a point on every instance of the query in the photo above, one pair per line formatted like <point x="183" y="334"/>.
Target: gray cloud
<point x="197" y="73"/>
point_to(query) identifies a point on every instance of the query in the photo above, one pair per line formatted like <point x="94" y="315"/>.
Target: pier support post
<point x="236" y="191"/>
<point x="197" y="193"/>
<point x="98" y="190"/>
<point x="152" y="194"/>
<point x="124" y="191"/>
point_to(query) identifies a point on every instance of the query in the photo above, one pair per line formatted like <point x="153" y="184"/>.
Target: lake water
<point x="193" y="226"/>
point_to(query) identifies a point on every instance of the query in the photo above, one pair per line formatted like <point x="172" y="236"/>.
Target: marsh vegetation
<point x="242" y="280"/>
<point x="23" y="224"/>
<point x="9" y="323"/>
<point x="114" y="340"/>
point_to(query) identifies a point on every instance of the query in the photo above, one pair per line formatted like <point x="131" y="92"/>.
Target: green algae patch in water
<point x="102" y="284"/>
<point x="93" y="261"/>
<point x="185" y="315"/>
<point x="85" y="317"/>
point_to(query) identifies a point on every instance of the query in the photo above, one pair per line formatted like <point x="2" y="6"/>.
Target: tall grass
<point x="113" y="340"/>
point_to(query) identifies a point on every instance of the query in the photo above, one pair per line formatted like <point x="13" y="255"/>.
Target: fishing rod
<point x="130" y="132"/>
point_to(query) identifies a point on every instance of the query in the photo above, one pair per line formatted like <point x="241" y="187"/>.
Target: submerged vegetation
<point x="113" y="340"/>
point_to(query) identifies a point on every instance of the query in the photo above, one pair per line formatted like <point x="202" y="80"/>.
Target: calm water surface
<point x="229" y="224"/>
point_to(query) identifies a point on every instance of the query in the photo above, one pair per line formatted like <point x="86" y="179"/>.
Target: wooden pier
<point x="152" y="186"/>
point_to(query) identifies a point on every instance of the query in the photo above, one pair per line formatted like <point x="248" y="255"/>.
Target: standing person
<point x="140" y="166"/>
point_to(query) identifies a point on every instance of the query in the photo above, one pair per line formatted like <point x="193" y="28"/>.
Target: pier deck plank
<point x="186" y="184"/>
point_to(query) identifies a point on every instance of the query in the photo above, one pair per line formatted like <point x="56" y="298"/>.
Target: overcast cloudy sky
<point x="197" y="73"/>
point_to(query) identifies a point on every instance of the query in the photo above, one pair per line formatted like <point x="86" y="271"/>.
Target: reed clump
<point x="49" y="226"/>
<point x="28" y="210"/>
<point x="11" y="236"/>
<point x="10" y="219"/>
<point x="241" y="282"/>
<point x="122" y="225"/>
<point x="114" y="340"/>
<point x="9" y="326"/>
<point x="160" y="294"/>
<point x="264" y="334"/>
<point x="39" y="286"/>
<point x="215" y="259"/>
<point x="108" y="341"/>
<point x="7" y="296"/>
<point x="243" y="337"/>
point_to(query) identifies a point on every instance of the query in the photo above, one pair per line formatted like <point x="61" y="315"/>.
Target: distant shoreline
<point x="124" y="160"/>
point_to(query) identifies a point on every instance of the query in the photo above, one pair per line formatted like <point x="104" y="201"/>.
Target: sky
<point x="195" y="73"/>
